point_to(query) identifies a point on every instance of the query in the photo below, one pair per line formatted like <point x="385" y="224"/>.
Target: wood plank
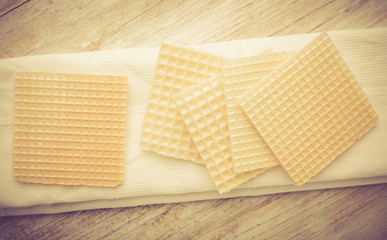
<point x="67" y="27"/>
<point x="56" y="26"/>
<point x="349" y="213"/>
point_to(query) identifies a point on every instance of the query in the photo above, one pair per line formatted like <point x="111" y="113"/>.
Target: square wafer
<point x="69" y="129"/>
<point x="203" y="109"/>
<point x="163" y="129"/>
<point x="310" y="109"/>
<point x="249" y="150"/>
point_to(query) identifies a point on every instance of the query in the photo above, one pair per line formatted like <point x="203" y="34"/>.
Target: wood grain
<point x="48" y="26"/>
<point x="8" y="6"/>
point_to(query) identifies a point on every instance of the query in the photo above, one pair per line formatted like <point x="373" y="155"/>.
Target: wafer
<point x="69" y="129"/>
<point x="310" y="109"/>
<point x="163" y="129"/>
<point x="249" y="150"/>
<point x="204" y="111"/>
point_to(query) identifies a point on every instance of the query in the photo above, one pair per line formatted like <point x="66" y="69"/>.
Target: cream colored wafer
<point x="204" y="111"/>
<point x="249" y="150"/>
<point x="163" y="129"/>
<point x="310" y="109"/>
<point x="69" y="129"/>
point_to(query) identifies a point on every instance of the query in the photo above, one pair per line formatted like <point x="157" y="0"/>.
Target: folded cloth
<point x="151" y="178"/>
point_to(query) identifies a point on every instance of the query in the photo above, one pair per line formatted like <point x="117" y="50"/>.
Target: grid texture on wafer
<point x="163" y="129"/>
<point x="69" y="129"/>
<point x="249" y="150"/>
<point x="310" y="109"/>
<point x="204" y="111"/>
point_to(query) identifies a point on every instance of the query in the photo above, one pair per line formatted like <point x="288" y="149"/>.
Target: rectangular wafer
<point x="310" y="109"/>
<point x="69" y="129"/>
<point x="163" y="129"/>
<point x="203" y="109"/>
<point x="249" y="150"/>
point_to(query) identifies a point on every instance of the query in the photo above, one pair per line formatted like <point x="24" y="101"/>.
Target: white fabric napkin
<point x="152" y="178"/>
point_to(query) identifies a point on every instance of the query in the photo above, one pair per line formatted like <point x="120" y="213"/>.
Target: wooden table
<point x="54" y="26"/>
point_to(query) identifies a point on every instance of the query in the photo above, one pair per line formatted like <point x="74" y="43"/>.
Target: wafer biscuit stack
<point x="300" y="110"/>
